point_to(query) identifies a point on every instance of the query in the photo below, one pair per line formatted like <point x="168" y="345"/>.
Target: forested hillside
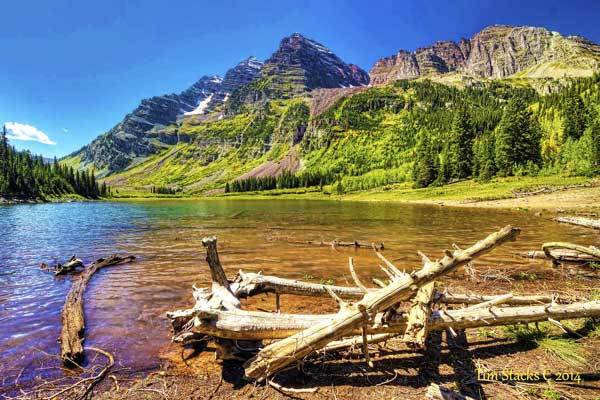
<point x="419" y="131"/>
<point x="26" y="176"/>
<point x="435" y="134"/>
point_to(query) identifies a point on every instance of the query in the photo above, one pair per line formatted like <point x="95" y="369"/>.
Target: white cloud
<point x="17" y="131"/>
<point x="65" y="130"/>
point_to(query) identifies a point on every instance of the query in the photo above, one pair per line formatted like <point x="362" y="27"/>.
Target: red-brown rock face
<point x="495" y="52"/>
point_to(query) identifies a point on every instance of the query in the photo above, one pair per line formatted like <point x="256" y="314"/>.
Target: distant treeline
<point x="287" y="180"/>
<point x="163" y="190"/>
<point x="25" y="175"/>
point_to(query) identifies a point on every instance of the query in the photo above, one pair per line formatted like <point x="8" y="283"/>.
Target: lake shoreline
<point x="580" y="196"/>
<point x="72" y="198"/>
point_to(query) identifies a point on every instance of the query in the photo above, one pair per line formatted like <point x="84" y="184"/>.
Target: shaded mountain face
<point x="138" y="134"/>
<point x="312" y="65"/>
<point x="142" y="132"/>
<point x="495" y="52"/>
<point x="242" y="74"/>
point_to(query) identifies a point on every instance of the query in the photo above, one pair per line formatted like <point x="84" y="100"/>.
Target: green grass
<point x="469" y="191"/>
<point x="564" y="349"/>
<point x="551" y="394"/>
<point x="466" y="191"/>
<point x="567" y="350"/>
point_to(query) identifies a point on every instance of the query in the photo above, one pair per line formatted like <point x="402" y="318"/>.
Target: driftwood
<point x="376" y="317"/>
<point x="278" y="355"/>
<point x="339" y="243"/>
<point x="560" y="255"/>
<point x="72" y="317"/>
<point x="417" y="325"/>
<point x="61" y="269"/>
<point x="259" y="325"/>
<point x="587" y="222"/>
<point x="591" y="251"/>
<point x="69" y="266"/>
<point x="250" y="284"/>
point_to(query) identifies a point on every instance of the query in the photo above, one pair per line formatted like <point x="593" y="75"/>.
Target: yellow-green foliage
<point x="217" y="152"/>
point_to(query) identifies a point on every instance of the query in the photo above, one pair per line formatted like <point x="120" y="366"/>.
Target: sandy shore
<point x="574" y="200"/>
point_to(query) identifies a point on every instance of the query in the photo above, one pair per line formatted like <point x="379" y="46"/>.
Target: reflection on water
<point x="125" y="305"/>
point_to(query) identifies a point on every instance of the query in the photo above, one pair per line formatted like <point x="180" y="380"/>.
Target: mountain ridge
<point x="497" y="51"/>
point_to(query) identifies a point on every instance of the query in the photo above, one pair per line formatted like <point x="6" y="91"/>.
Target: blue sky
<point x="70" y="70"/>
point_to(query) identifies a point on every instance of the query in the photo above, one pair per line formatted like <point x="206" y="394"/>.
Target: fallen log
<point x="589" y="251"/>
<point x="71" y="265"/>
<point x="250" y="284"/>
<point x="561" y="255"/>
<point x="72" y="317"/>
<point x="259" y="325"/>
<point x="61" y="269"/>
<point x="221" y="295"/>
<point x="339" y="243"/>
<point x="278" y="355"/>
<point x="490" y="303"/>
<point x="586" y="222"/>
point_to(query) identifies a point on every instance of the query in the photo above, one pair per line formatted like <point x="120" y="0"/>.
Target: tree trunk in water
<point x="589" y="251"/>
<point x="72" y="317"/>
<point x="587" y="222"/>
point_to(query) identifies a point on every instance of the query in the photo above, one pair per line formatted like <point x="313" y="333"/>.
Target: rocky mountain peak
<point x="244" y="72"/>
<point x="308" y="64"/>
<point x="497" y="51"/>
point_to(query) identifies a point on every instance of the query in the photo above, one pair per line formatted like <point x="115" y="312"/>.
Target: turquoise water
<point x="125" y="305"/>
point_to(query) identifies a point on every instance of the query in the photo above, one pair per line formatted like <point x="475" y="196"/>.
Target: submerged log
<point x="70" y="266"/>
<point x="561" y="255"/>
<point x="586" y="222"/>
<point x="339" y="243"/>
<point x="591" y="251"/>
<point x="278" y="355"/>
<point x="72" y="317"/>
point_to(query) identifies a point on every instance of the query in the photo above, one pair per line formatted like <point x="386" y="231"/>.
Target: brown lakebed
<point x="126" y="305"/>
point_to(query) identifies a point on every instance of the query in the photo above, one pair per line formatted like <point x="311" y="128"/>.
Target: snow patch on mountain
<point x="201" y="106"/>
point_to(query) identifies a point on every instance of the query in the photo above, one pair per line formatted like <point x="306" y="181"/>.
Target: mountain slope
<point x="138" y="134"/>
<point x="143" y="131"/>
<point x="496" y="52"/>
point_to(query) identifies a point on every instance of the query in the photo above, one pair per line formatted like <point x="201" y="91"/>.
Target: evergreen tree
<point x="484" y="167"/>
<point x="594" y="131"/>
<point x="424" y="168"/>
<point x="460" y="154"/>
<point x="339" y="188"/>
<point x="574" y="116"/>
<point x="23" y="174"/>
<point x="517" y="137"/>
